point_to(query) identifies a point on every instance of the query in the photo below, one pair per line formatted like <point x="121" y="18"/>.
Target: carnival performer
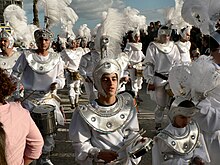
<point x="86" y="66"/>
<point x="8" y="55"/>
<point x="136" y="56"/>
<point x="184" y="45"/>
<point x="205" y="93"/>
<point x="181" y="141"/>
<point x="23" y="142"/>
<point x="41" y="72"/>
<point x="71" y="57"/>
<point x="161" y="56"/>
<point x="101" y="131"/>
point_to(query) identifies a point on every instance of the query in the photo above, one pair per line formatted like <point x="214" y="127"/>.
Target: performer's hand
<point x="198" y="161"/>
<point x="107" y="155"/>
<point x="124" y="79"/>
<point x="150" y="87"/>
<point x="53" y="86"/>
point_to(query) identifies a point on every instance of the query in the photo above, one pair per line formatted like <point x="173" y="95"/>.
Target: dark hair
<point x="213" y="44"/>
<point x="2" y="145"/>
<point x="186" y="104"/>
<point x="7" y="86"/>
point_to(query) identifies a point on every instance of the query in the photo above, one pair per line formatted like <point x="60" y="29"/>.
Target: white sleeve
<point x="80" y="135"/>
<point x="202" y="151"/>
<point x="208" y="117"/>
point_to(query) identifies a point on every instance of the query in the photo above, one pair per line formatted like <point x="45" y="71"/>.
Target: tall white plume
<point x="202" y="14"/>
<point x="134" y="19"/>
<point x="16" y="17"/>
<point x="84" y="31"/>
<point x="113" y="27"/>
<point x="174" y="17"/>
<point x="60" y="13"/>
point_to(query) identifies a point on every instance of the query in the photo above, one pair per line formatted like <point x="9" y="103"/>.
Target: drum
<point x="44" y="117"/>
<point x="141" y="148"/>
<point x="139" y="72"/>
<point x="168" y="90"/>
<point x="75" y="76"/>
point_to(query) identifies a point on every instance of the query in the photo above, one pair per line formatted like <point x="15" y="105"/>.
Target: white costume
<point x="159" y="60"/>
<point x="184" y="48"/>
<point x="87" y="64"/>
<point x="169" y="147"/>
<point x="205" y="92"/>
<point x="86" y="135"/>
<point x="7" y="62"/>
<point x="135" y="56"/>
<point x="180" y="145"/>
<point x="96" y="127"/>
<point x="37" y="73"/>
<point x="72" y="59"/>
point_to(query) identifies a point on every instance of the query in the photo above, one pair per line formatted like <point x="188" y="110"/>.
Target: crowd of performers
<point x="181" y="75"/>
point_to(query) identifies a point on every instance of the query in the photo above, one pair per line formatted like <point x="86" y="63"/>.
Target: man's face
<point x="109" y="84"/>
<point x="43" y="44"/>
<point x="164" y="38"/>
<point x="216" y="55"/>
<point x="4" y="43"/>
<point x="181" y="121"/>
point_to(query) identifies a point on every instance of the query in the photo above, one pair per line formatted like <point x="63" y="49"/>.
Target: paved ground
<point x="63" y="153"/>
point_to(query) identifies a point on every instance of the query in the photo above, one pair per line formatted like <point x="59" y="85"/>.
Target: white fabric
<point x="7" y="62"/>
<point x="85" y="138"/>
<point x="208" y="120"/>
<point x="160" y="146"/>
<point x="71" y="58"/>
<point x="35" y="81"/>
<point x="184" y="48"/>
<point x="86" y="66"/>
<point x="160" y="62"/>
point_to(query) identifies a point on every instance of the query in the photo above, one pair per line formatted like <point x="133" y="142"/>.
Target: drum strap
<point x="164" y="77"/>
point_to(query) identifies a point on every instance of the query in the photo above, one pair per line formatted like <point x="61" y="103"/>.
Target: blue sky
<point x="89" y="10"/>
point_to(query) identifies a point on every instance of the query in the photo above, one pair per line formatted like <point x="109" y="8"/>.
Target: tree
<point x="35" y="12"/>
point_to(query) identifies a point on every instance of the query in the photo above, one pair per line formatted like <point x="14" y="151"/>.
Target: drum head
<point x="44" y="108"/>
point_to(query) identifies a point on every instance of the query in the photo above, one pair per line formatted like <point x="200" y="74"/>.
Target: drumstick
<point x="140" y="133"/>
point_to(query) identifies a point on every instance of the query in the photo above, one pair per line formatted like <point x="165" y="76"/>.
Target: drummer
<point x="101" y="131"/>
<point x="136" y="56"/>
<point x="41" y="72"/>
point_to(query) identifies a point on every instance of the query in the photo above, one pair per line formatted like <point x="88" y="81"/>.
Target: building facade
<point x="5" y="3"/>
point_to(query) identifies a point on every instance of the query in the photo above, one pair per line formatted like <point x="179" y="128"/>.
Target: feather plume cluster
<point x="84" y="32"/>
<point x="134" y="19"/>
<point x="16" y="17"/>
<point x="59" y="12"/>
<point x="202" y="14"/>
<point x="113" y="27"/>
<point x="174" y="17"/>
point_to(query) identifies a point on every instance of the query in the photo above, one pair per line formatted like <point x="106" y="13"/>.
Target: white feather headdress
<point x="206" y="75"/>
<point x="113" y="28"/>
<point x="84" y="32"/>
<point x="174" y="17"/>
<point x="202" y="14"/>
<point x="134" y="19"/>
<point x="58" y="12"/>
<point x="16" y="18"/>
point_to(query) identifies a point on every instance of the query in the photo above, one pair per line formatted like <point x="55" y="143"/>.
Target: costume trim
<point x="42" y="66"/>
<point x="108" y="119"/>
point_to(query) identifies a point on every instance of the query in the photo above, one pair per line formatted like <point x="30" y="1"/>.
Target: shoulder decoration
<point x="108" y="119"/>
<point x="165" y="48"/>
<point x="183" y="144"/>
<point x="42" y="66"/>
<point x="7" y="62"/>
